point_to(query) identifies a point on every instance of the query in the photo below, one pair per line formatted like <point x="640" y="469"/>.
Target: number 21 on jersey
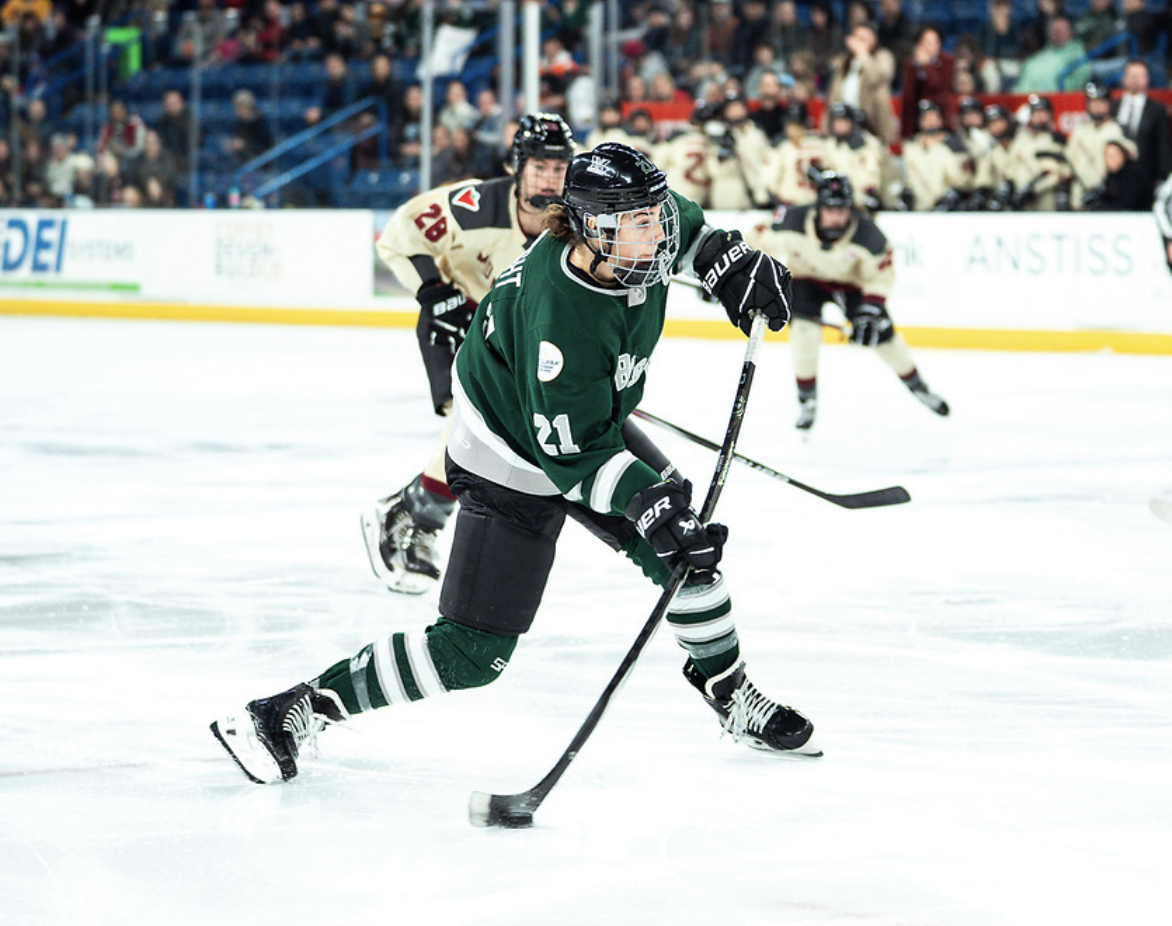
<point x="546" y="428"/>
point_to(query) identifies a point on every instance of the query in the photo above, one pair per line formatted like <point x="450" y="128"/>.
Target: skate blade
<point x="808" y="750"/>
<point x="410" y="583"/>
<point x="241" y="743"/>
<point x="371" y="535"/>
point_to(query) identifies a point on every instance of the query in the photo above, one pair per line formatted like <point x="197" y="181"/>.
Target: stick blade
<point x="508" y="811"/>
<point x="878" y="498"/>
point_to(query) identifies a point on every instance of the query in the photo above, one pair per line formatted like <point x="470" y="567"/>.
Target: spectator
<point x="7" y="169"/>
<point x="408" y="140"/>
<point x="107" y="181"/>
<point x="927" y="75"/>
<point x="130" y="197"/>
<point x="971" y="60"/>
<point x="823" y="40"/>
<point x="1143" y="23"/>
<point x="786" y="32"/>
<point x="271" y="35"/>
<point x="154" y="163"/>
<point x="13" y="10"/>
<point x="1098" y="23"/>
<point x="722" y="26"/>
<point x="175" y="129"/>
<point x="1000" y="37"/>
<point x="35" y="123"/>
<point x="457" y="112"/>
<point x="1036" y="30"/>
<point x="1145" y="122"/>
<point x="350" y="36"/>
<point x="61" y="168"/>
<point x="339" y="90"/>
<point x="861" y="77"/>
<point x="123" y="134"/>
<point x="1125" y="188"/>
<point x="896" y="32"/>
<point x="557" y="69"/>
<point x="156" y="195"/>
<point x="383" y="86"/>
<point x="489" y="128"/>
<point x="685" y="41"/>
<point x="305" y="38"/>
<point x="752" y="27"/>
<point x="203" y="30"/>
<point x="663" y="89"/>
<point x="464" y="159"/>
<point x="769" y="114"/>
<point x="765" y="61"/>
<point x="250" y="136"/>
<point x="1047" y="70"/>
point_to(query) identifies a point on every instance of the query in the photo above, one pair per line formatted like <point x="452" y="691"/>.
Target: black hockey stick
<point x="515" y="811"/>
<point x="877" y="498"/>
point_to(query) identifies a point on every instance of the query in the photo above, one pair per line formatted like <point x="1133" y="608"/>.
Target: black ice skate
<point x="807" y="410"/>
<point x="402" y="554"/>
<point x="749" y="715"/>
<point x="267" y="738"/>
<point x="933" y="401"/>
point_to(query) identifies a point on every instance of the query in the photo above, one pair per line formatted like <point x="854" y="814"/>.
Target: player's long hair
<point x="558" y="224"/>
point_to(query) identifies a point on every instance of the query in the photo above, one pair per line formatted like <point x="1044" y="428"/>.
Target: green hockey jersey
<point x="552" y="367"/>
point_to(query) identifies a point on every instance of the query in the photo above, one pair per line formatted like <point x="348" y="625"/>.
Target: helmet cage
<point x="598" y="212"/>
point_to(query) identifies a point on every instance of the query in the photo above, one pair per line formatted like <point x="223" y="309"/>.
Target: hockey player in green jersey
<point x="553" y="364"/>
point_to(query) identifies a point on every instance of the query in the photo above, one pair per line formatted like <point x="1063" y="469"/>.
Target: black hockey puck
<point x="513" y="821"/>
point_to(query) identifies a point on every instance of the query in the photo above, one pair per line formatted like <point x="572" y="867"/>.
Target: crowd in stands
<point x="736" y="99"/>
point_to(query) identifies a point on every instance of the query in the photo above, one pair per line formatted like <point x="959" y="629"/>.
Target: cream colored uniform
<point x="464" y="234"/>
<point x="860" y="157"/>
<point x="993" y="168"/>
<point x="793" y="158"/>
<point x="1029" y="165"/>
<point x="742" y="180"/>
<point x="684" y="159"/>
<point x="857" y="268"/>
<point x="1086" y="151"/>
<point x="934" y="169"/>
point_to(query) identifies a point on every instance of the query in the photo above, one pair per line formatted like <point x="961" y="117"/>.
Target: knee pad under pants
<point x="502" y="552"/>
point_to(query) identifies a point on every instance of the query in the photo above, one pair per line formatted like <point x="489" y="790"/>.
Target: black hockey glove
<point x="870" y="326"/>
<point x="663" y="517"/>
<point x="448" y="314"/>
<point x="743" y="279"/>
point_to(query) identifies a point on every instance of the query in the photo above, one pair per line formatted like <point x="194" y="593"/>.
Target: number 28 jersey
<point x="552" y="367"/>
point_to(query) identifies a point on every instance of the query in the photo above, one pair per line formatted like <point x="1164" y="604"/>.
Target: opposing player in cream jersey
<point x="447" y="246"/>
<point x="837" y="255"/>
<point x="555" y="361"/>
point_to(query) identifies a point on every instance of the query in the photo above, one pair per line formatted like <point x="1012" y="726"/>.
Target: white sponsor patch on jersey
<point x="549" y="362"/>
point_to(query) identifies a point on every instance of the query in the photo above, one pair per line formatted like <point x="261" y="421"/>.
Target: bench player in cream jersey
<point x="448" y="245"/>
<point x="838" y="255"/>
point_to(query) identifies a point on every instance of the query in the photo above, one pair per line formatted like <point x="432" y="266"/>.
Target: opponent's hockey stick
<point x="877" y="498"/>
<point x="515" y="811"/>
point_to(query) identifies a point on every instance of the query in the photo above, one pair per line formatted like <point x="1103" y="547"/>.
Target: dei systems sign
<point x="240" y="257"/>
<point x="62" y="249"/>
<point x="35" y="244"/>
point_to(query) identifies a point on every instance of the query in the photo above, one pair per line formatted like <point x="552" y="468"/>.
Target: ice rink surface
<point x="989" y="667"/>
